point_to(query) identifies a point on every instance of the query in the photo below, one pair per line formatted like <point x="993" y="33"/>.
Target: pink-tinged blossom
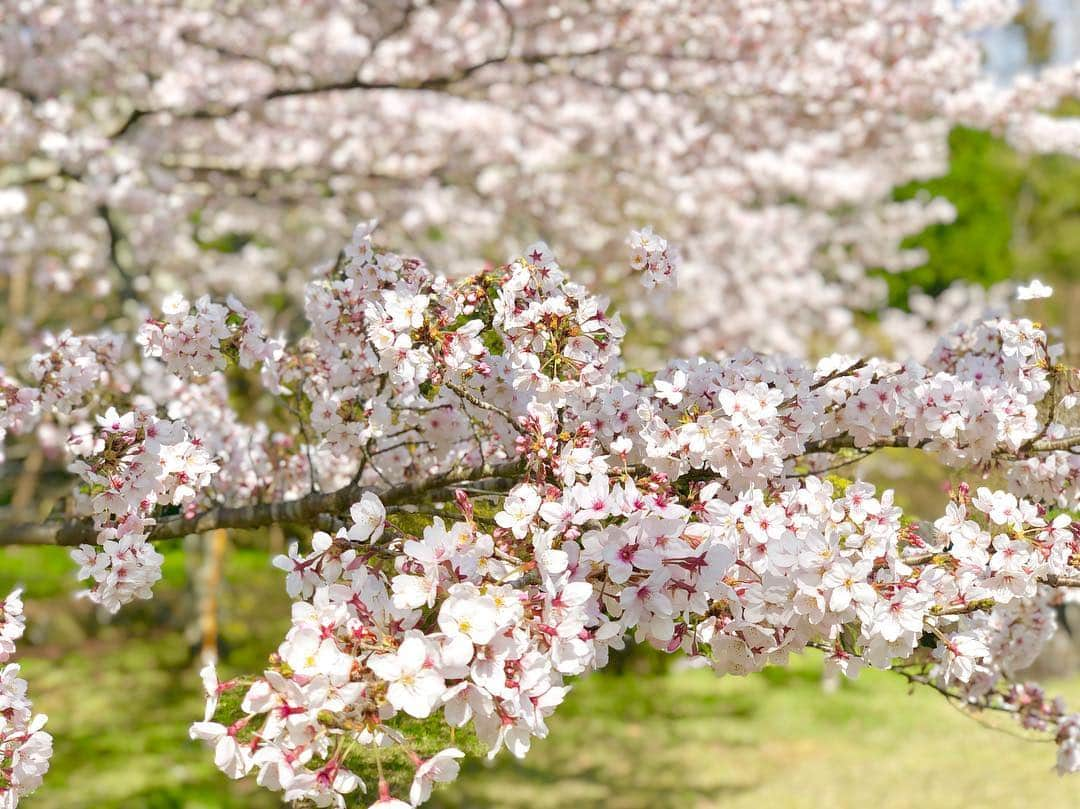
<point x="414" y="685"/>
<point x="25" y="748"/>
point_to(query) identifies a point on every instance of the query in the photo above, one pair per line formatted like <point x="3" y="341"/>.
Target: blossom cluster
<point x="977" y="393"/>
<point x="25" y="749"/>
<point x="256" y="462"/>
<point x="12" y="624"/>
<point x="61" y="377"/>
<point x="371" y="320"/>
<point x="131" y="464"/>
<point x="358" y="654"/>
<point x="196" y="340"/>
<point x="653" y="257"/>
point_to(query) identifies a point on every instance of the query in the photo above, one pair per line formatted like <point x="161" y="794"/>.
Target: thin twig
<point x="478" y="402"/>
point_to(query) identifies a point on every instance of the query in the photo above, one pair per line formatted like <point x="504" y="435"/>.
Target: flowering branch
<point x="301" y="511"/>
<point x="683" y="512"/>
<point x="310" y="507"/>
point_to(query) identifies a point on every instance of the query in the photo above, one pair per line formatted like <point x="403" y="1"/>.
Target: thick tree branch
<point x="846" y="441"/>
<point x="308" y="509"/>
<point x="303" y="510"/>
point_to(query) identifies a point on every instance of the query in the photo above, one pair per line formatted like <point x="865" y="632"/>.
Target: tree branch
<point x="846" y="441"/>
<point x="300" y="511"/>
<point x="309" y="508"/>
<point x="432" y="83"/>
<point x="115" y="238"/>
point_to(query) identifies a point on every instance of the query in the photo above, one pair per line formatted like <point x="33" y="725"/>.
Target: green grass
<point x="772" y="740"/>
<point x="120" y="697"/>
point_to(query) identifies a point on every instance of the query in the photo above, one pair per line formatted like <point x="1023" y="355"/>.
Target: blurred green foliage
<point x="1017" y="217"/>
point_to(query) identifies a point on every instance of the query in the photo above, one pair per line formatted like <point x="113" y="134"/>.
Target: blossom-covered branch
<point x="301" y="511"/>
<point x="310" y="507"/>
<point x="562" y="504"/>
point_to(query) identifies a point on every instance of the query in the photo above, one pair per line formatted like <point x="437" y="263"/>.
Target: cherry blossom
<point x="25" y="749"/>
<point x="700" y="537"/>
<point x="487" y="499"/>
<point x="1033" y="291"/>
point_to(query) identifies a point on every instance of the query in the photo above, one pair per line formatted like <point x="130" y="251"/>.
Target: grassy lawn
<point x="120" y="699"/>
<point x="772" y="740"/>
